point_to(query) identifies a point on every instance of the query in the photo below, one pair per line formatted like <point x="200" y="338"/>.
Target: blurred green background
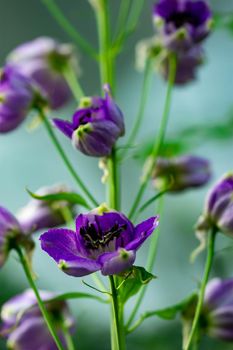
<point x="27" y="159"/>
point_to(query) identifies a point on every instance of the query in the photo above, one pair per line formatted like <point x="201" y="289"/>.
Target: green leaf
<point x="168" y="313"/>
<point x="76" y="295"/>
<point x="70" y="197"/>
<point x="131" y="281"/>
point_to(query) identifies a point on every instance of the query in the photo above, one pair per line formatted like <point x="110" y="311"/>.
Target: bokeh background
<point x="27" y="159"/>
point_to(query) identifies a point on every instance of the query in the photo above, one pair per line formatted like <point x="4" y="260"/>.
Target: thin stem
<point x="159" y="139"/>
<point x="64" y="157"/>
<point x="119" y="330"/>
<point x="149" y="267"/>
<point x="208" y="265"/>
<point x="113" y="190"/>
<point x="101" y="11"/>
<point x="144" y="96"/>
<point x="73" y="82"/>
<point x="43" y="309"/>
<point x="69" y="29"/>
<point x="122" y="17"/>
<point x="68" y="339"/>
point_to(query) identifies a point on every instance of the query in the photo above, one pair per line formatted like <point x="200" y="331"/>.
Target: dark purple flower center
<point x="94" y="238"/>
<point x="179" y="19"/>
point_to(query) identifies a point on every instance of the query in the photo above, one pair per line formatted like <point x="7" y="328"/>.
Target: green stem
<point x="149" y="267"/>
<point x="112" y="182"/>
<point x="118" y="334"/>
<point x="159" y="139"/>
<point x="73" y="82"/>
<point x="64" y="157"/>
<point x="101" y="11"/>
<point x="122" y="18"/>
<point x="142" y="106"/>
<point x="69" y="29"/>
<point x="208" y="265"/>
<point x="68" y="339"/>
<point x="43" y="309"/>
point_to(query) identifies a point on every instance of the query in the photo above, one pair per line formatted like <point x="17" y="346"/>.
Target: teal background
<point x="27" y="159"/>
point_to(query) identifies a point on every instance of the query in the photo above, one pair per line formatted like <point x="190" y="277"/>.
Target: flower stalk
<point x="208" y="265"/>
<point x="64" y="157"/>
<point x="158" y="139"/>
<point x="27" y="271"/>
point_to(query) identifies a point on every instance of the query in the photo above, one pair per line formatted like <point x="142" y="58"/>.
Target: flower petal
<point x="219" y="293"/>
<point x="79" y="267"/>
<point x="116" y="262"/>
<point x="64" y="126"/>
<point x="31" y="334"/>
<point x="142" y="232"/>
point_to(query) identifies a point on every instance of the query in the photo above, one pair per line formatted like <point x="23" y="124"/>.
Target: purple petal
<point x="142" y="232"/>
<point x="219" y="293"/>
<point x="31" y="334"/>
<point x="64" y="126"/>
<point x="116" y="262"/>
<point x="79" y="267"/>
<point x="62" y="245"/>
<point x="165" y="8"/>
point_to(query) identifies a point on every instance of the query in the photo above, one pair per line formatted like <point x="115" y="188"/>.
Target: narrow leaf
<point x="70" y="197"/>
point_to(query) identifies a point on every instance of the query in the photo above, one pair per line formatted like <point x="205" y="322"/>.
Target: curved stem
<point x="113" y="191"/>
<point x="43" y="309"/>
<point x="142" y="106"/>
<point x="68" y="339"/>
<point x="64" y="157"/>
<point x="73" y="82"/>
<point x="119" y="331"/>
<point x="208" y="265"/>
<point x="69" y="29"/>
<point x="149" y="267"/>
<point x="159" y="139"/>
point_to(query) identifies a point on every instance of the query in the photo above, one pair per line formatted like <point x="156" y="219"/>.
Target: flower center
<point x="96" y="239"/>
<point x="181" y="18"/>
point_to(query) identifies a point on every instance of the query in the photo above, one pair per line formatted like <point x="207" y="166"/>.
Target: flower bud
<point x="182" y="23"/>
<point x="42" y="214"/>
<point x="218" y="210"/>
<point x="186" y="65"/>
<point x="180" y="173"/>
<point x="43" y="61"/>
<point x="16" y="98"/>
<point x="218" y="309"/>
<point x="94" y="129"/>
<point x="24" y="327"/>
<point x="9" y="230"/>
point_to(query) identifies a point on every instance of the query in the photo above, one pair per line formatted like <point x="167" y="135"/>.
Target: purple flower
<point x="43" y="61"/>
<point x="182" y="23"/>
<point x="218" y="210"/>
<point x="95" y="128"/>
<point x="24" y="326"/>
<point x="16" y="98"/>
<point x="181" y="173"/>
<point x="104" y="240"/>
<point x="186" y="65"/>
<point x="218" y="309"/>
<point x="10" y="234"/>
<point x="42" y="214"/>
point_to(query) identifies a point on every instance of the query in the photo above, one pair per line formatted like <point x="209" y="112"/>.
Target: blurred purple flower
<point x="218" y="309"/>
<point x="11" y="234"/>
<point x="24" y="326"/>
<point x="95" y="128"/>
<point x="16" y="98"/>
<point x="43" y="60"/>
<point x="182" y="23"/>
<point x="186" y="65"/>
<point x="218" y="210"/>
<point x="42" y="214"/>
<point x="181" y="173"/>
<point x="104" y="240"/>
